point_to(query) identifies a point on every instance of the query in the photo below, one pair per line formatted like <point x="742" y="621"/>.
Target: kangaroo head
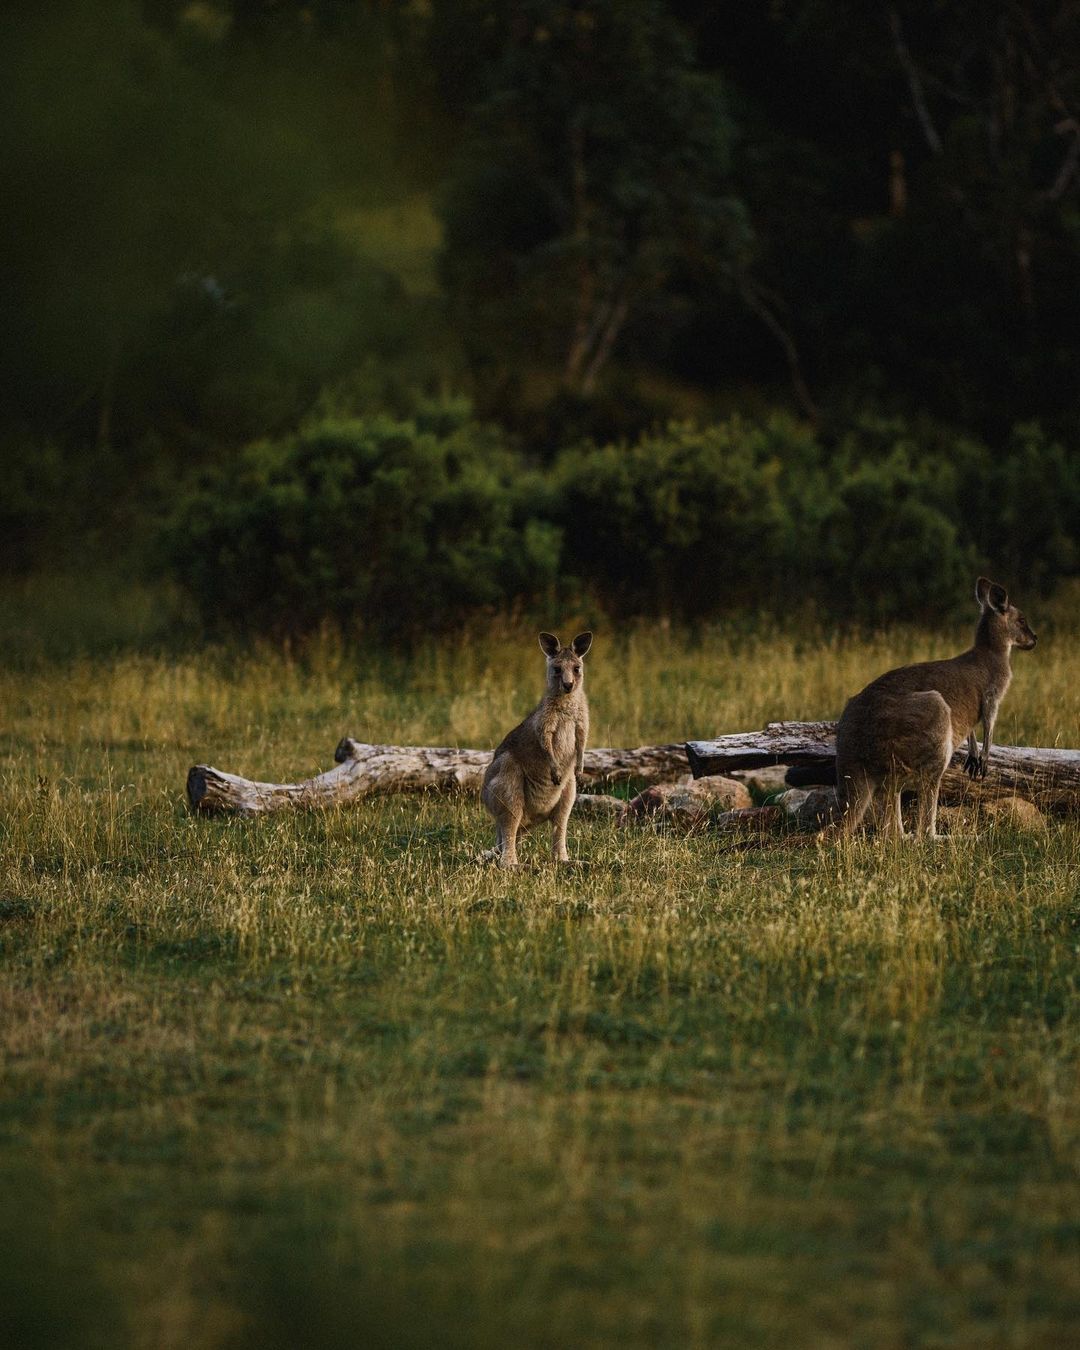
<point x="565" y="671"/>
<point x="1002" y="623"/>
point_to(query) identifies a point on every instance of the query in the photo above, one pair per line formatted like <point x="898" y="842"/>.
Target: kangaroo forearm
<point x="579" y="751"/>
<point x="982" y="763"/>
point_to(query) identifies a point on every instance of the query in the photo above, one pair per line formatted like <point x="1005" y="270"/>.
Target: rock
<point x="750" y="820"/>
<point x="1014" y="813"/>
<point x="687" y="805"/>
<point x="809" y="808"/>
<point x="956" y="820"/>
<point x="771" y="778"/>
<point x="598" y="805"/>
<point x="723" y="794"/>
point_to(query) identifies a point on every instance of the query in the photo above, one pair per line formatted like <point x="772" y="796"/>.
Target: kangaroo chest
<point x="993" y="694"/>
<point x="560" y="725"/>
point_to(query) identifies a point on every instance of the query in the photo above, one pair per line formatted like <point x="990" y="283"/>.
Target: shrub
<point x="371" y="522"/>
<point x="402" y="525"/>
<point x="1025" y="510"/>
<point x="32" y="503"/>
<point x="946" y="504"/>
<point x="694" y="520"/>
<point x="888" y="548"/>
<point x="891" y="521"/>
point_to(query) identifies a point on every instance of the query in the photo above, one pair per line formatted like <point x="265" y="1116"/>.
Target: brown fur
<point x="532" y="776"/>
<point x="901" y="730"/>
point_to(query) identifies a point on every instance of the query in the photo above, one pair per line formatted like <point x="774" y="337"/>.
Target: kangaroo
<point x="901" y="730"/>
<point x="532" y="775"/>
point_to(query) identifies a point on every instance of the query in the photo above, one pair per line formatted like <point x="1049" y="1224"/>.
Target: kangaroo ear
<point x="991" y="596"/>
<point x="998" y="598"/>
<point x="549" y="644"/>
<point x="582" y="643"/>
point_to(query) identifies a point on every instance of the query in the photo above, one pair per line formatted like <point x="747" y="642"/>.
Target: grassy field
<point x="325" y="1081"/>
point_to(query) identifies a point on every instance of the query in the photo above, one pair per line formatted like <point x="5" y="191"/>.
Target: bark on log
<point x="364" y="770"/>
<point x="1048" y="777"/>
<point x="779" y="743"/>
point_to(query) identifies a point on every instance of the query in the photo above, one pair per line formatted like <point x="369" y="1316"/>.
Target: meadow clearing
<point x="322" y="1080"/>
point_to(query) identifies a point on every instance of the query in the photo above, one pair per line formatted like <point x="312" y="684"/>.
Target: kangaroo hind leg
<point x="559" y="818"/>
<point x="857" y="788"/>
<point x="503" y="796"/>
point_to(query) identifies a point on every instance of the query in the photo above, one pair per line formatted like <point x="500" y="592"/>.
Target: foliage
<point x="911" y="172"/>
<point x="221" y="227"/>
<point x="1027" y="508"/>
<point x="854" y="202"/>
<point x="376" y="522"/>
<point x="596" y="167"/>
<point x="33" y="497"/>
<point x="695" y="520"/>
<point x="403" y="525"/>
<point x="185" y="263"/>
<point x="888" y="522"/>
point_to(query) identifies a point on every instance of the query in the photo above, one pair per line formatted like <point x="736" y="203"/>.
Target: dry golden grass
<point x="324" y="1080"/>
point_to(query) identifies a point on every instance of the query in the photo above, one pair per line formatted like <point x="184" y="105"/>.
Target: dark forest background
<point x="385" y="312"/>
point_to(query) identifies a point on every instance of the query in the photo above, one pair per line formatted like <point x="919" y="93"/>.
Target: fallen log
<point x="779" y="743"/>
<point x="365" y="770"/>
<point x="1048" y="777"/>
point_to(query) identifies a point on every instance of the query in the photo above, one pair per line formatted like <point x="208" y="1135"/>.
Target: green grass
<point x="325" y="1081"/>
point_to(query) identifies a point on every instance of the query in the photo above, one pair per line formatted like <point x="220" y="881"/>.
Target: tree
<point x="993" y="103"/>
<point x="596" y="166"/>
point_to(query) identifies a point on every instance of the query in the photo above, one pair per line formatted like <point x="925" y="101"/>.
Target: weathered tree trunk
<point x="365" y="770"/>
<point x="779" y="743"/>
<point x="1049" y="778"/>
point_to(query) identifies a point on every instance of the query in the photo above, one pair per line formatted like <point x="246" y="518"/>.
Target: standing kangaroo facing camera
<point x="532" y="775"/>
<point x="901" y="730"/>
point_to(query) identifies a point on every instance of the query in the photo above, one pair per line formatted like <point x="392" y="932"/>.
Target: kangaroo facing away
<point x="532" y="775"/>
<point x="901" y="730"/>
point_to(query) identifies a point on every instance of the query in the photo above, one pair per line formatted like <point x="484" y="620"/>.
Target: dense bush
<point x="33" y="487"/>
<point x="400" y="525"/>
<point x="372" y="522"/>
<point x="694" y="519"/>
<point x="1026" y="508"/>
<point x="767" y="515"/>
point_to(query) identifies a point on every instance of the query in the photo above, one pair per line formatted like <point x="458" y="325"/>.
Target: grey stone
<point x="809" y="808"/>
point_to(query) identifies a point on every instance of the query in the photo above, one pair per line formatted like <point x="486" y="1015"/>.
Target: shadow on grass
<point x="52" y="1294"/>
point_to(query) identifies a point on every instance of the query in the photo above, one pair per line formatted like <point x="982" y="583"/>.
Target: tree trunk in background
<point x="586" y="278"/>
<point x="605" y="343"/>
